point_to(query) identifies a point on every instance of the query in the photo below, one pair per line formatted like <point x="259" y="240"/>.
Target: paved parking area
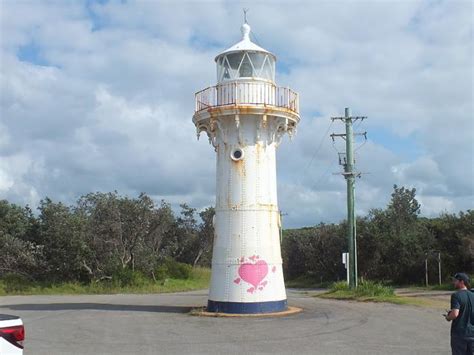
<point x="160" y="324"/>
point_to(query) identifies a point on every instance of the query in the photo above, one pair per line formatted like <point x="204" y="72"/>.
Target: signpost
<point x="345" y="261"/>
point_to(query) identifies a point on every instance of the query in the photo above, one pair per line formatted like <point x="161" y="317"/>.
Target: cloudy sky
<point x="99" y="96"/>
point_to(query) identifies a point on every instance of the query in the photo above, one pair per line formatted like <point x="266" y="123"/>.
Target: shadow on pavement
<point x="98" y="306"/>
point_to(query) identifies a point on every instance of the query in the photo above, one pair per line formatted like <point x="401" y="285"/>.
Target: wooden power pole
<point x="350" y="174"/>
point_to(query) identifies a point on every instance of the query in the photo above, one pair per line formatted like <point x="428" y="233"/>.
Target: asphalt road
<point x="159" y="324"/>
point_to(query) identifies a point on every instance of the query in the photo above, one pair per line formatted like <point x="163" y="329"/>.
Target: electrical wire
<point x="334" y="146"/>
<point x="323" y="175"/>
<point x="254" y="35"/>
<point x="360" y="146"/>
<point x="318" y="148"/>
<point x="365" y="138"/>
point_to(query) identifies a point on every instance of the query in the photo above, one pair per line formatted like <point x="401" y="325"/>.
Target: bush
<point x="179" y="270"/>
<point x="127" y="277"/>
<point x="339" y="286"/>
<point x="173" y="269"/>
<point x="364" y="289"/>
<point x="15" y="283"/>
<point x="374" y="289"/>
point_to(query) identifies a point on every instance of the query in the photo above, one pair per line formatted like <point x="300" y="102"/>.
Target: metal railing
<point x="247" y="93"/>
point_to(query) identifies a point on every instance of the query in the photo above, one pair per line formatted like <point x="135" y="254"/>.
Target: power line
<point x="317" y="149"/>
<point x="360" y="146"/>
<point x="320" y="178"/>
<point x="365" y="136"/>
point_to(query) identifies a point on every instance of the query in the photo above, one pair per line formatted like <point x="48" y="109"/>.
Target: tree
<point x="392" y="243"/>
<point x="205" y="236"/>
<point x="151" y="253"/>
<point x="315" y="251"/>
<point x="106" y="235"/>
<point x="17" y="221"/>
<point x="179" y="244"/>
<point x="19" y="257"/>
<point x="189" y="241"/>
<point x="396" y="239"/>
<point x="62" y="237"/>
<point x="454" y="238"/>
<point x="293" y="263"/>
<point x="403" y="209"/>
<point x="117" y="229"/>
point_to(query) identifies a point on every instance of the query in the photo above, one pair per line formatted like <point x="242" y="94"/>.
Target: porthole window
<point x="237" y="154"/>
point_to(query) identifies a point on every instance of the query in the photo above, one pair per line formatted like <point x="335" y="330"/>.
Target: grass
<point x="417" y="287"/>
<point x="199" y="279"/>
<point x="366" y="291"/>
<point x="442" y="287"/>
<point x="369" y="291"/>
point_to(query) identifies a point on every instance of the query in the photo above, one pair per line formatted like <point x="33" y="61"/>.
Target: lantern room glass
<point x="245" y="65"/>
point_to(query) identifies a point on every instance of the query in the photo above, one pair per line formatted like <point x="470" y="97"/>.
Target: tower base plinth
<point x="247" y="307"/>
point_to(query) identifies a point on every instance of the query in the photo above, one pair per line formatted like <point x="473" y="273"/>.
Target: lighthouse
<point x="245" y="116"/>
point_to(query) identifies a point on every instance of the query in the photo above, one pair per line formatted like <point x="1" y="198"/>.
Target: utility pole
<point x="426" y="271"/>
<point x="347" y="161"/>
<point x="439" y="267"/>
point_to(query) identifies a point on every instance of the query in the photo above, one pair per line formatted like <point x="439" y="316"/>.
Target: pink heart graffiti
<point x="253" y="273"/>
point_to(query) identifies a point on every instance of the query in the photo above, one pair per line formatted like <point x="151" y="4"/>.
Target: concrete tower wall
<point x="247" y="264"/>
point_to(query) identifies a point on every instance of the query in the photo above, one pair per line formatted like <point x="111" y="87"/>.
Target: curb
<point x="201" y="312"/>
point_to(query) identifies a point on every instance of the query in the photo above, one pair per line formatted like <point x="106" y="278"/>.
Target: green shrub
<point x="201" y="273"/>
<point x="15" y="283"/>
<point x="179" y="270"/>
<point x="364" y="289"/>
<point x="161" y="272"/>
<point x="374" y="289"/>
<point x="339" y="286"/>
<point x="127" y="277"/>
<point x="173" y="269"/>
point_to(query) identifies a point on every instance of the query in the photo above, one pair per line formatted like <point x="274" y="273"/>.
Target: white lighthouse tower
<point x="245" y="116"/>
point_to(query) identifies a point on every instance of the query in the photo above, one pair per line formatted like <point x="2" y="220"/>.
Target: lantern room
<point x="245" y="61"/>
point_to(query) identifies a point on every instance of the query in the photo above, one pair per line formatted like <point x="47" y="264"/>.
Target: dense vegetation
<point x="108" y="239"/>
<point x="104" y="238"/>
<point x="392" y="243"/>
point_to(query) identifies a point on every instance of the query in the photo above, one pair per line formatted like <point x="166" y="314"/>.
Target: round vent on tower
<point x="237" y="154"/>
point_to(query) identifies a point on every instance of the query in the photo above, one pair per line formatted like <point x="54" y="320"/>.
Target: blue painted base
<point x="247" y="307"/>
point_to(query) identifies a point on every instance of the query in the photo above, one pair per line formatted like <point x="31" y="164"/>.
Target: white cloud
<point x="16" y="172"/>
<point x="434" y="205"/>
<point x="110" y="105"/>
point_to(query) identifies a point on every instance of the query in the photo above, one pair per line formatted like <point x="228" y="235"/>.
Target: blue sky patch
<point x="406" y="147"/>
<point x="31" y="53"/>
<point x="97" y="22"/>
<point x="204" y="43"/>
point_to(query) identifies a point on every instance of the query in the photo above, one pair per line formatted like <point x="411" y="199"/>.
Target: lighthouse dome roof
<point x="245" y="44"/>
